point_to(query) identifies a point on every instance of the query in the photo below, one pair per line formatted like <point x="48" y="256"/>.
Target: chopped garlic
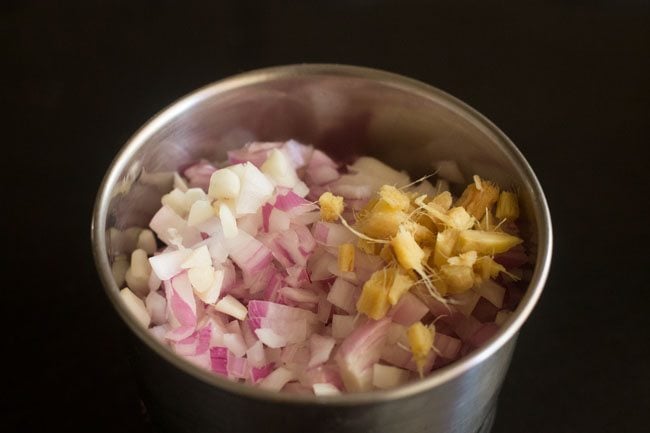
<point x="224" y="183"/>
<point x="232" y="307"/>
<point x="147" y="242"/>
<point x="199" y="257"/>
<point x="228" y="221"/>
<point x="278" y="168"/>
<point x="201" y="278"/>
<point x="200" y="211"/>
<point x="136" y="307"/>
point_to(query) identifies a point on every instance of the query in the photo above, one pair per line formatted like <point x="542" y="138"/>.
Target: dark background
<point x="568" y="82"/>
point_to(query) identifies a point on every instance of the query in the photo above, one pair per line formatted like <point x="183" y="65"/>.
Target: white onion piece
<point x="299" y="295"/>
<point x="232" y="307"/>
<point x="320" y="348"/>
<point x="135" y="306"/>
<point x="235" y="343"/>
<point x="342" y="326"/>
<point x="270" y="338"/>
<point x="147" y="242"/>
<point x="277" y="379"/>
<point x="228" y="221"/>
<point x="168" y="264"/>
<point x="256" y="355"/>
<point x="199" y="257"/>
<point x="491" y="291"/>
<point x="342" y="295"/>
<point x="466" y="301"/>
<point x="502" y="316"/>
<point x="385" y="377"/>
<point x="278" y="221"/>
<point x="200" y="211"/>
<point x="224" y="183"/>
<point x="359" y="352"/>
<point x="325" y="389"/>
<point x="301" y="189"/>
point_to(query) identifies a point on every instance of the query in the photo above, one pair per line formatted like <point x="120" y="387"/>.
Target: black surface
<point x="568" y="82"/>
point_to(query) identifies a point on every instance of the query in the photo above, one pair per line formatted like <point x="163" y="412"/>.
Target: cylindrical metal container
<point x="346" y="111"/>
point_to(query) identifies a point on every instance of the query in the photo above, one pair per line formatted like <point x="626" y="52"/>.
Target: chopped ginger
<point x="464" y="259"/>
<point x="373" y="301"/>
<point x="386" y="253"/>
<point x="477" y="197"/>
<point x="382" y="224"/>
<point x="393" y="198"/>
<point x="421" y="342"/>
<point x="407" y="251"/>
<point x="459" y="219"/>
<point x="485" y="267"/>
<point x="445" y="243"/>
<point x="442" y="201"/>
<point x="507" y="206"/>
<point x="368" y="247"/>
<point x="459" y="278"/>
<point x="346" y="258"/>
<point x="401" y="283"/>
<point x="331" y="206"/>
<point x="486" y="242"/>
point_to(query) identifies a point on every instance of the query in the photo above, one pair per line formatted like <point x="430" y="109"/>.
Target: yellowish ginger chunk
<point x="459" y="219"/>
<point x="346" y="258"/>
<point x="386" y="253"/>
<point x="464" y="259"/>
<point x="331" y="206"/>
<point x="373" y="301"/>
<point x="382" y="224"/>
<point x="442" y="201"/>
<point x="486" y="242"/>
<point x="459" y="278"/>
<point x="488" y="222"/>
<point x="444" y="248"/>
<point x="485" y="267"/>
<point x="393" y="198"/>
<point x="507" y="206"/>
<point x="400" y="284"/>
<point x="368" y="247"/>
<point x="421" y="343"/>
<point x="407" y="251"/>
<point x="477" y="197"/>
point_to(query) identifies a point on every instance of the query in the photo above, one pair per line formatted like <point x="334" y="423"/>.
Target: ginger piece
<point x="373" y="301"/>
<point x="407" y="251"/>
<point x="486" y="242"/>
<point x="485" y="267"/>
<point x="368" y="247"/>
<point x="507" y="206"/>
<point x="346" y="258"/>
<point x="331" y="206"/>
<point x="382" y="224"/>
<point x="444" y="248"/>
<point x="464" y="259"/>
<point x="421" y="342"/>
<point x="400" y="284"/>
<point x="442" y="201"/>
<point x="460" y="219"/>
<point x="477" y="197"/>
<point x="393" y="199"/>
<point x="459" y="278"/>
<point x="386" y="253"/>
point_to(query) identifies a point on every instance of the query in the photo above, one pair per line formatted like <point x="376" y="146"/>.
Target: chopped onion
<point x="385" y="376"/>
<point x="320" y="348"/>
<point x="325" y="389"/>
<point x="342" y="294"/>
<point x="277" y="379"/>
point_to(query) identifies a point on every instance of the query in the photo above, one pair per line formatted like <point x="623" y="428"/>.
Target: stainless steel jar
<point x="346" y="111"/>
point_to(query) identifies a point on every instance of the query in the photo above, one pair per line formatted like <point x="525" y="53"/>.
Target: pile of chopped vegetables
<point x="281" y="269"/>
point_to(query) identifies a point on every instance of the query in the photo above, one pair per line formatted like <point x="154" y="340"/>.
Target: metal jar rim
<point x="438" y="377"/>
